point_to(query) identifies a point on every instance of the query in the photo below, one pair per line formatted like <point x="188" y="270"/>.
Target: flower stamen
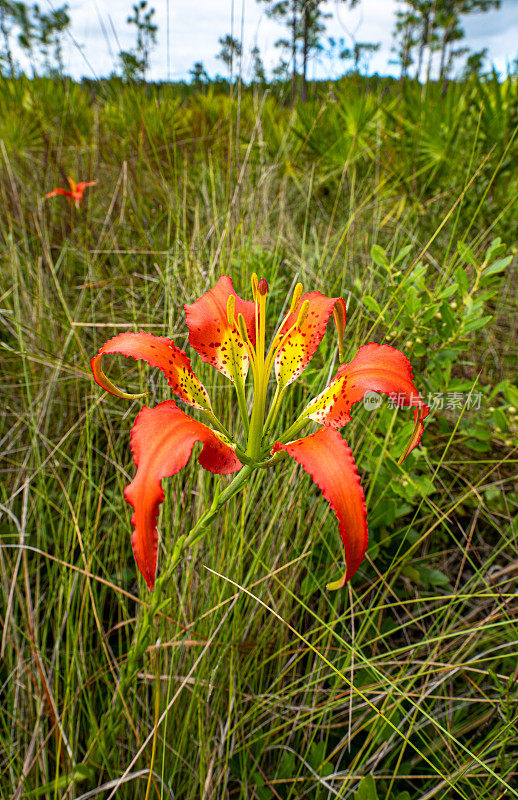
<point x="231" y="310"/>
<point x="295" y="300"/>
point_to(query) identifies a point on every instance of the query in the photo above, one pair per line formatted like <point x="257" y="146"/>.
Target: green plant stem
<point x="146" y="626"/>
<point x="198" y="531"/>
<point x="291" y="434"/>
<point x="217" y="424"/>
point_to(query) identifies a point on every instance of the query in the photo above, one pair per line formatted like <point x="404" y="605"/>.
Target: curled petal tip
<point x="159" y="352"/>
<point x="332" y="586"/>
<point x="420" y="414"/>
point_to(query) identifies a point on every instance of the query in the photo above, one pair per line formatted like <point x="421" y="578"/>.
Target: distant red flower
<point x="76" y="190"/>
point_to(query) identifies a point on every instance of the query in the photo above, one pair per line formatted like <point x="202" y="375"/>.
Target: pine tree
<point x="135" y="63"/>
<point x="14" y="17"/>
<point x="199" y="74"/>
<point x="230" y="49"/>
<point x="305" y="22"/>
<point x="258" y="73"/>
<point x="47" y="30"/>
<point x="434" y="27"/>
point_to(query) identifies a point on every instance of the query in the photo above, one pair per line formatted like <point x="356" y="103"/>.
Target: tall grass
<point x="249" y="680"/>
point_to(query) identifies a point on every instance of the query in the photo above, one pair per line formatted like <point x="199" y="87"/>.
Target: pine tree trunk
<point x="443" y="56"/>
<point x="294" y="50"/>
<point x="304" y="92"/>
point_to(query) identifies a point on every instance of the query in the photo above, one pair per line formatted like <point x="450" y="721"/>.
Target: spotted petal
<point x="325" y="456"/>
<point x="301" y="342"/>
<point x="159" y="352"/>
<point x="162" y="439"/>
<point x="377" y="368"/>
<point x="210" y="333"/>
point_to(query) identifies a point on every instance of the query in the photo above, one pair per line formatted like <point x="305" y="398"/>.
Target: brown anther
<point x="262" y="287"/>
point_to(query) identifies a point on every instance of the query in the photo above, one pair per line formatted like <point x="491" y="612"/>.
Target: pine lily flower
<point x="75" y="192"/>
<point x="230" y="334"/>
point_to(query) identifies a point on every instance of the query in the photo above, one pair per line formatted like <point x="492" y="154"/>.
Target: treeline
<point x="428" y="43"/>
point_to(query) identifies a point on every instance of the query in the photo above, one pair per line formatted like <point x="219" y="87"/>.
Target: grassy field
<point x="241" y="676"/>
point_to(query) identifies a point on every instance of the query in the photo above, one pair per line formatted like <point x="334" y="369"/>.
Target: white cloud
<point x="99" y="31"/>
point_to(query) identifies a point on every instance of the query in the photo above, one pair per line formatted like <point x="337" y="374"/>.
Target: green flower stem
<point x="199" y="530"/>
<point x="255" y="435"/>
<point x="292" y="432"/>
<point x="146" y="631"/>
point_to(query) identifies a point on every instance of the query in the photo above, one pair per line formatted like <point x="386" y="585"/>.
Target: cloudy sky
<point x="188" y="31"/>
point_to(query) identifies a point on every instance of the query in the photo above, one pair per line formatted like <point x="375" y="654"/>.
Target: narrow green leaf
<point x="475" y="324"/>
<point x="497" y="266"/>
<point x="371" y="304"/>
<point x="466" y="254"/>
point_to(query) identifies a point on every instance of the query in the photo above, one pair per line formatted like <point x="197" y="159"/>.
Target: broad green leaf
<point x="495" y="249"/>
<point x="412" y="301"/>
<point x="427" y="315"/>
<point x="499" y="419"/>
<point x="447" y="292"/>
<point x="287" y="765"/>
<point x="366" y="789"/>
<point x="433" y="577"/>
<point x="476" y="446"/>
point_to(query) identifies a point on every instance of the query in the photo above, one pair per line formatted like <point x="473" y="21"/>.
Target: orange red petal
<point x="158" y="351"/>
<point x="162" y="439"/>
<point x="210" y="333"/>
<point x="75" y="192"/>
<point x="300" y="344"/>
<point x="54" y="192"/>
<point x="377" y="368"/>
<point x="81" y="186"/>
<point x="326" y="457"/>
